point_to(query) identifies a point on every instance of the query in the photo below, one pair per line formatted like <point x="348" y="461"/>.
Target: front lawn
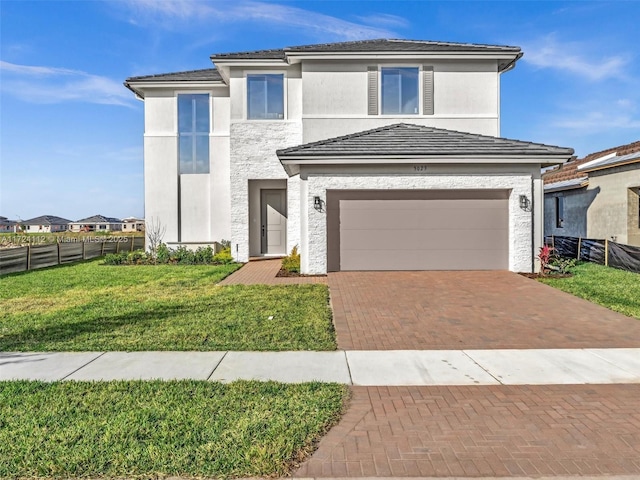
<point x="142" y="429"/>
<point x="615" y="289"/>
<point x="89" y="306"/>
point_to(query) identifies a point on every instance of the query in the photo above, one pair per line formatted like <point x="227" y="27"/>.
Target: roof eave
<point x="566" y="187"/>
<point x="139" y="88"/>
<point x="428" y="159"/>
<point x="610" y="165"/>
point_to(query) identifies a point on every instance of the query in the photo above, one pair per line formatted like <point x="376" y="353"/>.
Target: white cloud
<point x="49" y="85"/>
<point x="598" y="121"/>
<point x="170" y="13"/>
<point x="384" y="19"/>
<point x="575" y="58"/>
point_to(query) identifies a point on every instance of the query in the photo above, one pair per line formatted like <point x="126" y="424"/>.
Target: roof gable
<point x="46" y="220"/>
<point x="419" y="140"/>
<point x="407" y="143"/>
<point x="98" y="219"/>
<point x="375" y="45"/>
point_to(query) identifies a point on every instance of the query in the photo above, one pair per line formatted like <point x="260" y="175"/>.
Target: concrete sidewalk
<point x="354" y="367"/>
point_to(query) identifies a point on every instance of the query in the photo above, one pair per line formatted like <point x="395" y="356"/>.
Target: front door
<point x="273" y="220"/>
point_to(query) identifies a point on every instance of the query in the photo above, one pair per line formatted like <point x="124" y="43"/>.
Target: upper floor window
<point x="193" y="132"/>
<point x="400" y="91"/>
<point x="265" y="96"/>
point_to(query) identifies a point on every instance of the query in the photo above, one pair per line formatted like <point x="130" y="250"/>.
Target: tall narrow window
<point x="265" y="97"/>
<point x="559" y="212"/>
<point x="400" y="91"/>
<point x="193" y="132"/>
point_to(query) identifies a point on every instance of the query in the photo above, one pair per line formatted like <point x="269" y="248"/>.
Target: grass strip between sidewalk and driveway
<point x="137" y="429"/>
<point x="615" y="289"/>
<point x="94" y="307"/>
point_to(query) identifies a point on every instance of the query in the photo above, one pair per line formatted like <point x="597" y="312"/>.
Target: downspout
<point x="533" y="227"/>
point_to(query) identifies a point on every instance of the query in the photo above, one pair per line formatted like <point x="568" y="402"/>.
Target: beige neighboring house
<point x="367" y="155"/>
<point x="96" y="223"/>
<point x="8" y="226"/>
<point x="45" y="224"/>
<point x="132" y="224"/>
<point x="596" y="197"/>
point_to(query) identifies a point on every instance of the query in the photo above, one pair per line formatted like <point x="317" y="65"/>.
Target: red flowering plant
<point x="545" y="256"/>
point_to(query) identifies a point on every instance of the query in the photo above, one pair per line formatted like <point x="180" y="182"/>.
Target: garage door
<point x="417" y="230"/>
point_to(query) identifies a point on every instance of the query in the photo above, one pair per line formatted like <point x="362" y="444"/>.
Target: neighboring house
<point x="96" y="223"/>
<point x="8" y="226"/>
<point x="45" y="224"/>
<point x="132" y="224"/>
<point x="368" y="155"/>
<point x="597" y="196"/>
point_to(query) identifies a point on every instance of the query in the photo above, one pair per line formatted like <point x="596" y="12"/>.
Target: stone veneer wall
<point x="253" y="157"/>
<point x="520" y="221"/>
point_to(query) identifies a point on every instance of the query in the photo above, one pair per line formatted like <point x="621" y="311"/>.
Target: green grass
<point x="139" y="429"/>
<point x="615" y="289"/>
<point x="89" y="306"/>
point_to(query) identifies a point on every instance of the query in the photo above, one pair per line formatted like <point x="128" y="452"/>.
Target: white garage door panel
<point x="431" y="234"/>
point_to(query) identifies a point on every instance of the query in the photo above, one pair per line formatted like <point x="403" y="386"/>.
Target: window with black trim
<point x="559" y="212"/>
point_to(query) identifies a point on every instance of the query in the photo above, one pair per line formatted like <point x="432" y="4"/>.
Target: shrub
<point x="291" y="263"/>
<point x="203" y="255"/>
<point x="562" y="265"/>
<point x="115" y="259"/>
<point x="163" y="253"/>
<point x="138" y="257"/>
<point x="223" y="257"/>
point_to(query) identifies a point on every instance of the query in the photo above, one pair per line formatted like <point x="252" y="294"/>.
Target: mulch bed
<point x="535" y="276"/>
<point x="286" y="273"/>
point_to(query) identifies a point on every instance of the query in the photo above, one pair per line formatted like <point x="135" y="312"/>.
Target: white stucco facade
<point x="518" y="180"/>
<point x="324" y="96"/>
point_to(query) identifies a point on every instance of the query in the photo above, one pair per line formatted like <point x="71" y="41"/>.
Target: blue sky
<point x="71" y="134"/>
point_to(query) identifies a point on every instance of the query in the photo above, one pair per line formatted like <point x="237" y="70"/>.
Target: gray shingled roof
<point x="46" y="220"/>
<point x="403" y="139"/>
<point x="205" y="75"/>
<point x="377" y="45"/>
<point x="98" y="219"/>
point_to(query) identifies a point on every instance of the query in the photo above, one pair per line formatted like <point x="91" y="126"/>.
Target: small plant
<point x="115" y="259"/>
<point x="163" y="253"/>
<point x="562" y="265"/>
<point x="223" y="257"/>
<point x="155" y="233"/>
<point x="291" y="263"/>
<point x="545" y="255"/>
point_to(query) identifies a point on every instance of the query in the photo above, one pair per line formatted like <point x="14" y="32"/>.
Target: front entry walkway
<point x="467" y="310"/>
<point x="263" y="272"/>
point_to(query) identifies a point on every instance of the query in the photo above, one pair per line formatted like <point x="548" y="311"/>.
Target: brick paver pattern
<point x="483" y="431"/>
<point x="467" y="310"/>
<point x="264" y="272"/>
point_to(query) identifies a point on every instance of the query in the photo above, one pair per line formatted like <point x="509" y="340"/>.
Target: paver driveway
<point x="471" y="431"/>
<point x="467" y="310"/>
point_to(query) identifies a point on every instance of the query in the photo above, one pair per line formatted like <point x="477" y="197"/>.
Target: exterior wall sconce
<point x="524" y="203"/>
<point x="318" y="204"/>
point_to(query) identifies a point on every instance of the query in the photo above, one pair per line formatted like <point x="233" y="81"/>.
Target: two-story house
<point x="368" y="155"/>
